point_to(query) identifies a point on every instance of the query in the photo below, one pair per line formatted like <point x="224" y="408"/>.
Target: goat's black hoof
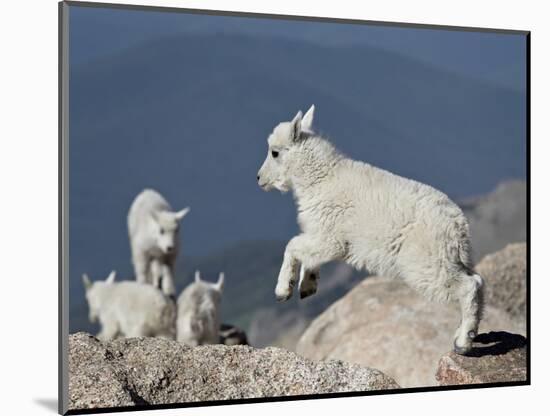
<point x="306" y="293"/>
<point x="283" y="298"/>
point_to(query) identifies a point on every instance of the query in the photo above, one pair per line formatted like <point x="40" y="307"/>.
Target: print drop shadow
<point x="496" y="343"/>
<point x="49" y="404"/>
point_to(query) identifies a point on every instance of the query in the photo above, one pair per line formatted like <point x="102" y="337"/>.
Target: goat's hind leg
<point x="469" y="293"/>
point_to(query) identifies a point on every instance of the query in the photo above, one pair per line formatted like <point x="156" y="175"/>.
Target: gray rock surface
<point x="384" y="324"/>
<point x="505" y="274"/>
<point x="143" y="371"/>
<point x="498" y="218"/>
<point x="496" y="357"/>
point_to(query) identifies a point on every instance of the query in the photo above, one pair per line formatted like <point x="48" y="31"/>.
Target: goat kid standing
<point x="153" y="229"/>
<point x="198" y="321"/>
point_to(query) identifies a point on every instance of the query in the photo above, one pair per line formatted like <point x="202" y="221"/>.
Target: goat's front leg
<point x="287" y="276"/>
<point x="310" y="252"/>
<point x="167" y="283"/>
<point x="156" y="273"/>
<point x="140" y="266"/>
<point x="308" y="281"/>
<point x="109" y="331"/>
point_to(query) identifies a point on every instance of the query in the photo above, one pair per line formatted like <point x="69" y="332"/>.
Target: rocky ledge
<point x="142" y="371"/>
<point x="385" y="324"/>
<point x="496" y="357"/>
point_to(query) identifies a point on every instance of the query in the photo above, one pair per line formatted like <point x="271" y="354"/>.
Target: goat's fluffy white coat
<point x="198" y="320"/>
<point x="153" y="230"/>
<point x="129" y="309"/>
<point x="372" y="219"/>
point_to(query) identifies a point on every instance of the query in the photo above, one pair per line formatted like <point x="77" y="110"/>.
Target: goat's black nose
<point x="169" y="249"/>
<point x="258" y="177"/>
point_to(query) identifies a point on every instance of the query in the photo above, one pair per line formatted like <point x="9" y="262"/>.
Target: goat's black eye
<point x="162" y="230"/>
<point x="274" y="153"/>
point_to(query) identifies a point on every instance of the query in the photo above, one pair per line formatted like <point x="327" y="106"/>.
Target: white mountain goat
<point x="198" y="320"/>
<point x="371" y="219"/>
<point x="129" y="309"/>
<point x="153" y="229"/>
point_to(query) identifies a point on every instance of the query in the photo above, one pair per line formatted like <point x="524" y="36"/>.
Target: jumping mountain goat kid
<point x="370" y="218"/>
<point x="198" y="320"/>
<point x="129" y="309"/>
<point x="153" y="229"/>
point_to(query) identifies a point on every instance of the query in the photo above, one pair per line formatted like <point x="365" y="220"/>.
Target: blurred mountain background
<point x="184" y="104"/>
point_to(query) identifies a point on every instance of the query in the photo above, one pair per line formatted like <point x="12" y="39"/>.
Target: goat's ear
<point x="307" y="121"/>
<point x="182" y="213"/>
<point x="197" y="276"/>
<point x="219" y="283"/>
<point x="111" y="278"/>
<point x="296" y="127"/>
<point x="86" y="281"/>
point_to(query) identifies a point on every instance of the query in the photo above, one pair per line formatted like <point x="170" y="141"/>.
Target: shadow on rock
<point x="496" y="343"/>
